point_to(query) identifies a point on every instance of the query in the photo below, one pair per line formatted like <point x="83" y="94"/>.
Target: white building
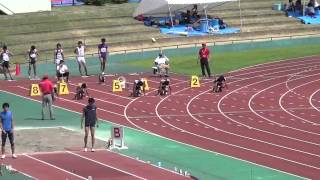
<point x="24" y="6"/>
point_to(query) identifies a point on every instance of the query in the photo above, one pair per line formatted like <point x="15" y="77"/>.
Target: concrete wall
<point x="24" y="6"/>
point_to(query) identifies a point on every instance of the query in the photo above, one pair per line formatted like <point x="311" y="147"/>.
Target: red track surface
<point x="269" y="115"/>
<point x="79" y="165"/>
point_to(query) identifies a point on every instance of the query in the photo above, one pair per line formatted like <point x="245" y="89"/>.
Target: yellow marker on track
<point x="35" y="90"/>
<point x="63" y="88"/>
<point x="116" y="87"/>
<point x="195" y="82"/>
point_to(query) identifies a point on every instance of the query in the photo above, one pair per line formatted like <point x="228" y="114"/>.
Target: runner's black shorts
<point x="32" y="61"/>
<point x="90" y="124"/>
<point x="5" y="64"/>
<point x="4" y="137"/>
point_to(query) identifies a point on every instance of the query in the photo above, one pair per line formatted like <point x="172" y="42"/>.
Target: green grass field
<point x="222" y="62"/>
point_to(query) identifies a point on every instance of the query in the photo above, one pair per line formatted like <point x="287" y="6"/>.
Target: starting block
<point x="195" y="82"/>
<point x="63" y="88"/>
<point x="35" y="90"/>
<point x="116" y="86"/>
<point x="117" y="135"/>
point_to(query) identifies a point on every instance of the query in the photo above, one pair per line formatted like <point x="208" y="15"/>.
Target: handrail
<point x="184" y="45"/>
<point x="6" y="8"/>
<point x="210" y="43"/>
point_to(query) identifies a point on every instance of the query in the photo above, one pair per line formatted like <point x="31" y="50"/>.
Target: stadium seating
<point x="67" y="25"/>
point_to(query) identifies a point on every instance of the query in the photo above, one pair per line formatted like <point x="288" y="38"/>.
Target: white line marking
<point x="131" y="122"/>
<point x="310" y="100"/>
<point x="124" y="97"/>
<point x="225" y="143"/>
<point x="56" y="167"/>
<point x="258" y="129"/>
<point x="106" y="165"/>
<point x="246" y="137"/>
<point x="292" y="90"/>
<point x="290" y="127"/>
<point x="73" y="101"/>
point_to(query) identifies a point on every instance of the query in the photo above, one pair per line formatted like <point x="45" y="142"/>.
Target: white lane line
<point x="23" y="173"/>
<point x="109" y="102"/>
<point x="291" y="90"/>
<point x="217" y="113"/>
<point x="104" y="92"/>
<point x="280" y="124"/>
<point x="242" y="136"/>
<point x="163" y="137"/>
<point x="225" y="143"/>
<point x="156" y="166"/>
<point x="134" y="124"/>
<point x="259" y="129"/>
<point x="106" y="165"/>
<point x="73" y="101"/>
<point x="299" y="64"/>
<point x="56" y="167"/>
<point x="310" y="100"/>
<point x="299" y="60"/>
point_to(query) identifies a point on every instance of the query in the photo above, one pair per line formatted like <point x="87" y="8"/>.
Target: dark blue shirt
<point x="6" y="120"/>
<point x="90" y="113"/>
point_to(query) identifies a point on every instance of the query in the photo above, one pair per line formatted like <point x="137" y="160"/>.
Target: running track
<point x="78" y="165"/>
<point x="268" y="116"/>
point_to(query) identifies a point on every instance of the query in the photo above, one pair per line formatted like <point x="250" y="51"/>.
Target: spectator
<point x="194" y="11"/>
<point x="5" y="57"/>
<point x="80" y="52"/>
<point x="298" y="6"/>
<point x="204" y="56"/>
<point x="290" y="7"/>
<point x="46" y="88"/>
<point x="103" y="54"/>
<point x="7" y="127"/>
<point x="63" y="71"/>
<point x="314" y="4"/>
<point x="162" y="63"/>
<point x="310" y="11"/>
<point x="187" y="17"/>
<point x="222" y="24"/>
<point x="32" y="56"/>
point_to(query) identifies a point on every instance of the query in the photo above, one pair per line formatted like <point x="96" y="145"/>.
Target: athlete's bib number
<point x="103" y="50"/>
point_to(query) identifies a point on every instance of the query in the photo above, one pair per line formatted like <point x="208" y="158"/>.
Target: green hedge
<point x="96" y="2"/>
<point x="102" y="2"/>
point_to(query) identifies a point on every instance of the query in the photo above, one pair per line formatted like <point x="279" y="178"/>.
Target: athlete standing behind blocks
<point x="5" y="57"/>
<point x="103" y="54"/>
<point x="89" y="115"/>
<point x="80" y="52"/>
<point x="32" y="56"/>
<point x="58" y="56"/>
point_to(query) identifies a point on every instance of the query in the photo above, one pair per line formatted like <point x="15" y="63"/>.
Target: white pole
<point x="170" y="15"/>
<point x="205" y="12"/>
<point x="303" y="7"/>
<point x="240" y="12"/>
